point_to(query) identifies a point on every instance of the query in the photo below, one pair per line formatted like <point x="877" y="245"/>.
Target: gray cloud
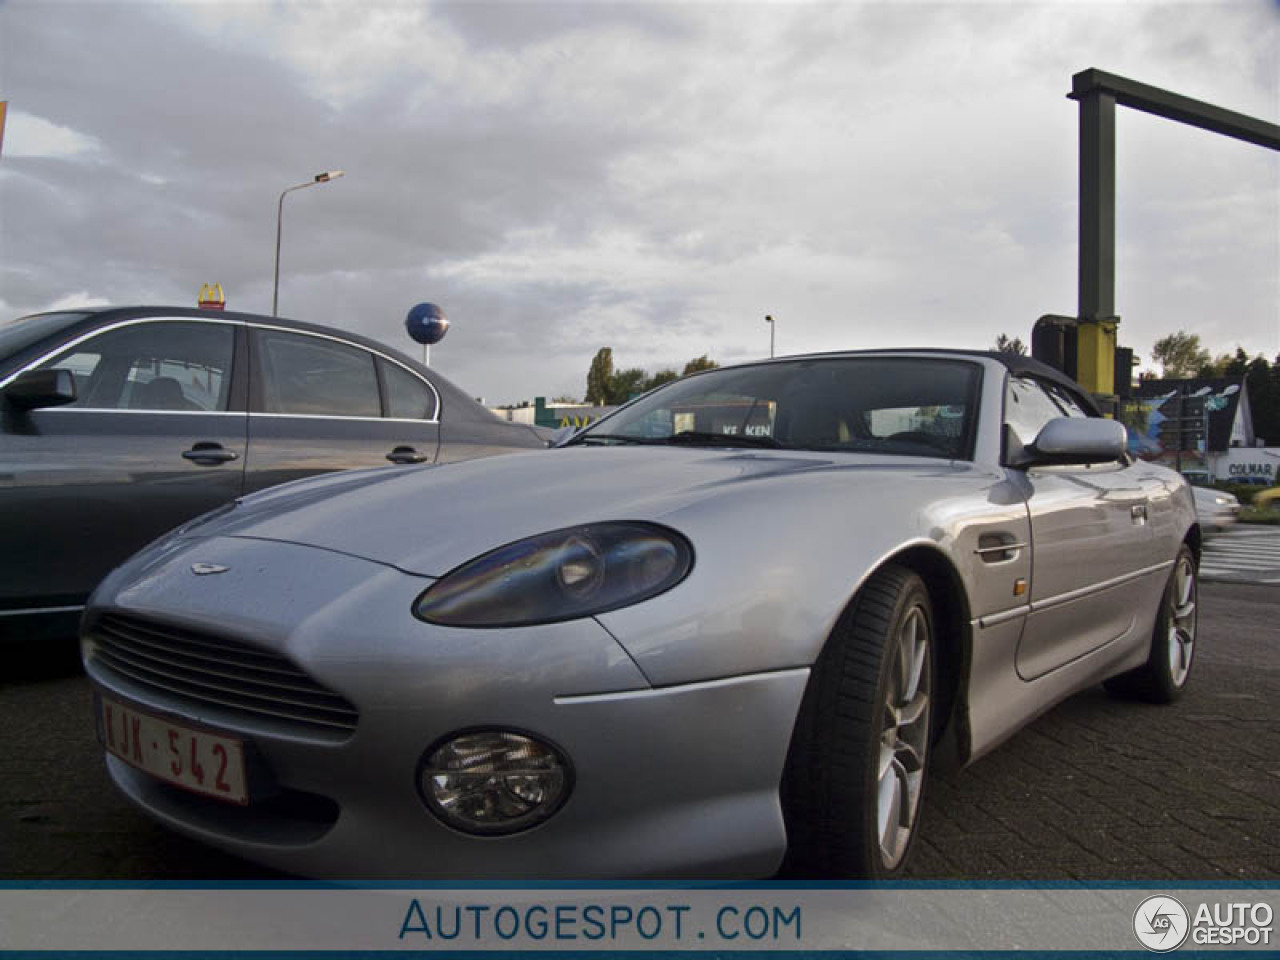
<point x="503" y="23"/>
<point x="650" y="177"/>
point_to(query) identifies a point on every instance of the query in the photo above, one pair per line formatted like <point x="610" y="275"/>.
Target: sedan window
<point x="168" y="365"/>
<point x="408" y="398"/>
<point x="316" y="376"/>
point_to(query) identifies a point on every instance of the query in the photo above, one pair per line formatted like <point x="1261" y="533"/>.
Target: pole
<point x="325" y="177"/>
<point x="1098" y="94"/>
<point x="275" y="286"/>
<point x="1096" y="334"/>
<point x="1203" y="445"/>
<point x="1181" y="429"/>
<point x="769" y="320"/>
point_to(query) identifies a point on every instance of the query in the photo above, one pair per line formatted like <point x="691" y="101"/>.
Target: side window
<point x="1028" y="407"/>
<point x="408" y="398"/>
<point x="310" y="375"/>
<point x="1070" y="406"/>
<point x="167" y="365"/>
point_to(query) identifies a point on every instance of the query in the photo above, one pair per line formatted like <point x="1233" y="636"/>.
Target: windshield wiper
<point x="692" y="438"/>
<point x="700" y="438"/>
<point x="605" y="438"/>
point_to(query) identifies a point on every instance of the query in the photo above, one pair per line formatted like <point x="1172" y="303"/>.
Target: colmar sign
<point x="1251" y="470"/>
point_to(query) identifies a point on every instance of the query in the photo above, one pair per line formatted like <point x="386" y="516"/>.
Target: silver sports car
<point x="725" y="632"/>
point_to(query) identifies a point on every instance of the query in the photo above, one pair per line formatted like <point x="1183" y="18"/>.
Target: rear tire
<point x="1164" y="676"/>
<point x="853" y="788"/>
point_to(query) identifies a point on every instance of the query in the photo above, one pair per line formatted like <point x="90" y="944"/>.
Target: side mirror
<point x="41" y="388"/>
<point x="1066" y="440"/>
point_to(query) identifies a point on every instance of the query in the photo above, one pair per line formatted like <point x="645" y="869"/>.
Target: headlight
<point x="562" y="575"/>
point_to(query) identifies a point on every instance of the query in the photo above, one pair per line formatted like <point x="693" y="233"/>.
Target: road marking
<point x="1245" y="555"/>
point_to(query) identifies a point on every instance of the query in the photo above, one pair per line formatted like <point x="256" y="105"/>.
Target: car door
<point x="155" y="437"/>
<point x="319" y="403"/>
<point x="1090" y="540"/>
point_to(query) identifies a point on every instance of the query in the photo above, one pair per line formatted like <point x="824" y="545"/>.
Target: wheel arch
<point x="1195" y="540"/>
<point x="814" y="843"/>
<point x="953" y="649"/>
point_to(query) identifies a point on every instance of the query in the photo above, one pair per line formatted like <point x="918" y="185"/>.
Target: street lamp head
<point x="328" y="175"/>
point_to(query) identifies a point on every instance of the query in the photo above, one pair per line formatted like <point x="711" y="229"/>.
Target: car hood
<point x="428" y="520"/>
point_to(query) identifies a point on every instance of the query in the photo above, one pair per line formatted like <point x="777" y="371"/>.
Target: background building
<point x="554" y="415"/>
<point x="1202" y="426"/>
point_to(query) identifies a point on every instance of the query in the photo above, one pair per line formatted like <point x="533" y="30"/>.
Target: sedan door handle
<point x="406" y="455"/>
<point x="209" y="454"/>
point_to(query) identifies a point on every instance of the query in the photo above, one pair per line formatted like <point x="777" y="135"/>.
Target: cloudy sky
<point x="650" y="177"/>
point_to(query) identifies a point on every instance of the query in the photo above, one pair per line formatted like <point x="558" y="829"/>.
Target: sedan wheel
<point x="1173" y="642"/>
<point x="857" y="768"/>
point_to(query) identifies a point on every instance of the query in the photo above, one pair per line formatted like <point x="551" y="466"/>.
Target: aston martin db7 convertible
<point x="726" y="631"/>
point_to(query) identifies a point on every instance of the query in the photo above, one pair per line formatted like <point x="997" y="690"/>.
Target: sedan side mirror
<point x="1066" y="440"/>
<point x="41" y="388"/>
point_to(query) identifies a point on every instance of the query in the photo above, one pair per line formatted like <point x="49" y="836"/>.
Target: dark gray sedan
<point x="121" y="423"/>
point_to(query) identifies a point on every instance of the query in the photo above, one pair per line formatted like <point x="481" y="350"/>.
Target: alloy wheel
<point x="1180" y="617"/>
<point x="904" y="741"/>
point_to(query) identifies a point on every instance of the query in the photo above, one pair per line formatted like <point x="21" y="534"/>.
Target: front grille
<point x="207" y="669"/>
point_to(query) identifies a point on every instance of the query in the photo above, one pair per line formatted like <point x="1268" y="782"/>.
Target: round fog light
<point x="493" y="781"/>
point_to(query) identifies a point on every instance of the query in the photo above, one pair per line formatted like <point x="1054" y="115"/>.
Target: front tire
<point x="1173" y="641"/>
<point x="854" y="783"/>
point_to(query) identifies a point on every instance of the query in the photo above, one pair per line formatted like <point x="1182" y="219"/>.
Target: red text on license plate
<point x="185" y="756"/>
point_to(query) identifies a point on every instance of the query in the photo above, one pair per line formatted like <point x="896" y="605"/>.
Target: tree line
<point x="608" y="387"/>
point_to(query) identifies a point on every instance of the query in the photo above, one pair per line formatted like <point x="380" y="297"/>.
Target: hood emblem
<point x="205" y="569"/>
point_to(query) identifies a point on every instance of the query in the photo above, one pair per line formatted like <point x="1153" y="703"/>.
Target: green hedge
<point x="1259" y="515"/>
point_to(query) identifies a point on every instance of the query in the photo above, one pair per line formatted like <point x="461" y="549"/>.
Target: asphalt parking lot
<point x="1097" y="789"/>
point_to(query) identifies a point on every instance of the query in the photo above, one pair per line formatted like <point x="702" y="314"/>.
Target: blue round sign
<point x="426" y="323"/>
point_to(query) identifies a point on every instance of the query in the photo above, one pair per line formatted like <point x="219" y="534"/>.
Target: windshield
<point x="894" y="405"/>
<point x="19" y="334"/>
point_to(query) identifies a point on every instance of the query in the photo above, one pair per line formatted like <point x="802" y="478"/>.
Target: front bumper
<point x="680" y="781"/>
<point x="1221" y="518"/>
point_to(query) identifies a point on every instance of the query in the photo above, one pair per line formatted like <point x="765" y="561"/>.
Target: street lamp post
<point x="769" y="320"/>
<point x="319" y="178"/>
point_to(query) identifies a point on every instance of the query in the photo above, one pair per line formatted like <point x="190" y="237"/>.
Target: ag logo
<point x="1161" y="923"/>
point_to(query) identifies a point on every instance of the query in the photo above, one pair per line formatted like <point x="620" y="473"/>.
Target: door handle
<point x="1138" y="513"/>
<point x="406" y="455"/>
<point x="209" y="454"/>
